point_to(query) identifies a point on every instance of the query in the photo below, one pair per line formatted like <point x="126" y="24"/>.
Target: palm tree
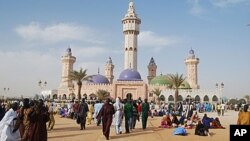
<point x="79" y="76"/>
<point x="157" y="92"/>
<point x="176" y="81"/>
<point x="102" y="94"/>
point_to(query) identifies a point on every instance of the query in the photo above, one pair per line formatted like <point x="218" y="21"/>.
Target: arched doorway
<point x="170" y="98"/>
<point x="215" y="98"/>
<point x="162" y="98"/>
<point x="55" y="96"/>
<point x="197" y="98"/>
<point x="64" y="96"/>
<point x="206" y="98"/>
<point x="92" y="96"/>
<point x="129" y="96"/>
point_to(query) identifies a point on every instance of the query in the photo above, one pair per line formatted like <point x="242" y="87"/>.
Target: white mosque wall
<point x="205" y="95"/>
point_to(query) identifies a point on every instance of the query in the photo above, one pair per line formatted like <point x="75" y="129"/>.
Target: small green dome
<point x="185" y="85"/>
<point x="160" y="80"/>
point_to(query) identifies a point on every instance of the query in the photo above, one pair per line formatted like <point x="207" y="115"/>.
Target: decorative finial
<point x="98" y="70"/>
<point x="191" y="51"/>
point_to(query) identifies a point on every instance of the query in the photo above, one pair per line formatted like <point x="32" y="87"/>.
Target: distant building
<point x="129" y="81"/>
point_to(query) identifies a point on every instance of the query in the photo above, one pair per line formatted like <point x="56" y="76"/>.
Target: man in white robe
<point x="97" y="108"/>
<point x="118" y="106"/>
<point x="7" y="125"/>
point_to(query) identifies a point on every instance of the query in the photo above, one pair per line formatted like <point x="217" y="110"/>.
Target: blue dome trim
<point x="129" y="75"/>
<point x="98" y="79"/>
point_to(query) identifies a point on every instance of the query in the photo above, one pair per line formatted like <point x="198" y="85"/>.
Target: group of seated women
<point x="201" y="126"/>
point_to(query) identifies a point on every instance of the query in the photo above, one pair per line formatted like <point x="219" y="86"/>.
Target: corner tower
<point x="131" y="30"/>
<point x="192" y="70"/>
<point x="109" y="67"/>
<point x="67" y="67"/>
<point x="151" y="70"/>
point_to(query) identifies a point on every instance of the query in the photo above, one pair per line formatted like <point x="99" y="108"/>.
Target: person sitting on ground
<point x="175" y="121"/>
<point x="188" y="123"/>
<point x="182" y="119"/>
<point x="195" y="118"/>
<point x="166" y="122"/>
<point x="180" y="130"/>
<point x="201" y="129"/>
<point x="216" y="124"/>
<point x="207" y="121"/>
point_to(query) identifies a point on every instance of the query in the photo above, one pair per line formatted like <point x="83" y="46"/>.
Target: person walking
<point x="118" y="106"/>
<point x="145" y="110"/>
<point x="7" y="125"/>
<point x="106" y="115"/>
<point x="38" y="118"/>
<point x="82" y="113"/>
<point x="51" y="117"/>
<point x="23" y="121"/>
<point x="90" y="113"/>
<point x="135" y="115"/>
<point x="97" y="107"/>
<point x="128" y="109"/>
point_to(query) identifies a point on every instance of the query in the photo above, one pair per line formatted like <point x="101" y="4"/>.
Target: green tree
<point x="157" y="92"/>
<point x="79" y="76"/>
<point x="102" y="94"/>
<point x="176" y="81"/>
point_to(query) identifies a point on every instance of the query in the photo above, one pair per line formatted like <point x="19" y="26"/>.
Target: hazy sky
<point x="35" y="34"/>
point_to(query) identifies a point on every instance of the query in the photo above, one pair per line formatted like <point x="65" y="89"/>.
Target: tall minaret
<point x="67" y="67"/>
<point x="151" y="69"/>
<point x="192" y="73"/>
<point x="131" y="30"/>
<point x="109" y="67"/>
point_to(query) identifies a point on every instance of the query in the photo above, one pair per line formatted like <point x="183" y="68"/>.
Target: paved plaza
<point x="67" y="130"/>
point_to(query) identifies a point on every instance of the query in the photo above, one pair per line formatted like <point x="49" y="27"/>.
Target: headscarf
<point x="117" y="103"/>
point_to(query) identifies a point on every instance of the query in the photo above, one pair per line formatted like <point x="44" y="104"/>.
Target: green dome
<point x="185" y="85"/>
<point x="160" y="80"/>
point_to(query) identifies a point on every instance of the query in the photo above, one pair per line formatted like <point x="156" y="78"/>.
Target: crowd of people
<point x="29" y="120"/>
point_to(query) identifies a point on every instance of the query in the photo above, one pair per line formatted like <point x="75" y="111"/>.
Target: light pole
<point x="42" y="85"/>
<point x="6" y="90"/>
<point x="220" y="88"/>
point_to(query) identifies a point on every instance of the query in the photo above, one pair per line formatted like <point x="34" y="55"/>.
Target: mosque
<point x="129" y="81"/>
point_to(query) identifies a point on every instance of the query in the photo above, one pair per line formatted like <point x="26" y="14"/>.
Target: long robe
<point x="145" y="110"/>
<point x="118" y="106"/>
<point x="106" y="114"/>
<point x="38" y="119"/>
<point x="7" y="125"/>
<point x="90" y="113"/>
<point x="243" y="118"/>
<point x="82" y="113"/>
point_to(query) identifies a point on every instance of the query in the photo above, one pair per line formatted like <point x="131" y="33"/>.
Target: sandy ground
<point x="67" y="130"/>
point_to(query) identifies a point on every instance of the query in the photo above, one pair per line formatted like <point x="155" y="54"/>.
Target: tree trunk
<point x="79" y="92"/>
<point x="176" y="97"/>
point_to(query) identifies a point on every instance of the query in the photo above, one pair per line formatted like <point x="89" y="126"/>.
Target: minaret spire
<point x="131" y="29"/>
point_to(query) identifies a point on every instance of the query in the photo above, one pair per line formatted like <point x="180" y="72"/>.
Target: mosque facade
<point x="129" y="81"/>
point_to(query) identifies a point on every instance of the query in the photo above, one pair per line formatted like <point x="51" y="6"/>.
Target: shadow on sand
<point x="136" y="132"/>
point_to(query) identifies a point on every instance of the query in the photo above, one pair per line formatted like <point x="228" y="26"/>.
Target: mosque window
<point x="130" y="48"/>
<point x="135" y="49"/>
